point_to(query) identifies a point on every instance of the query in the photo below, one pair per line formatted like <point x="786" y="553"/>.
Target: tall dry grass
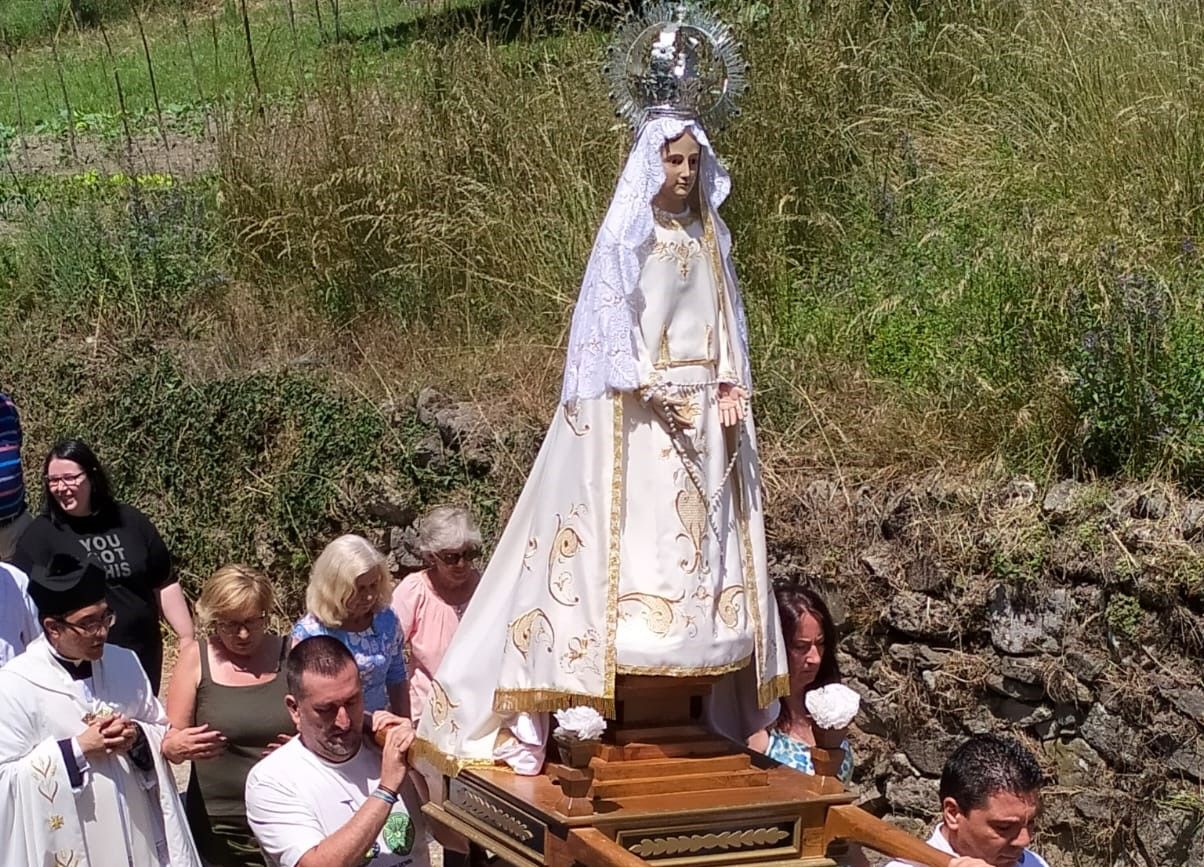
<point x="935" y="206"/>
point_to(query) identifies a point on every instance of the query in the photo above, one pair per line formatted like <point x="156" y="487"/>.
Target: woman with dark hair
<point x="80" y="517"/>
<point x="810" y="637"/>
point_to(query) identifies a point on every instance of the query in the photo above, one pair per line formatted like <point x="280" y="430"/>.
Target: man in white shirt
<point x="329" y="797"/>
<point x="990" y="789"/>
<point x="18" y="620"/>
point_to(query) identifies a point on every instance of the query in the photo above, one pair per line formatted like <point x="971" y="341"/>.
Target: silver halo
<point x="676" y="60"/>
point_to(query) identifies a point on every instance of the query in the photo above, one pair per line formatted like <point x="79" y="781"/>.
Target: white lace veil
<point x="601" y="352"/>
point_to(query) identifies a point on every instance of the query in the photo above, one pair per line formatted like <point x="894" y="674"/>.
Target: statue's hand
<point x="675" y="412"/>
<point x="731" y="403"/>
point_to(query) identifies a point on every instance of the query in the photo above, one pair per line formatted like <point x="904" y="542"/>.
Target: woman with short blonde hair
<point x="348" y="599"/>
<point x="429" y="604"/>
<point x="232" y="589"/>
<point x="226" y="709"/>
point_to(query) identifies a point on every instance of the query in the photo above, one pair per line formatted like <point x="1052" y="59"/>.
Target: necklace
<point x="670" y="220"/>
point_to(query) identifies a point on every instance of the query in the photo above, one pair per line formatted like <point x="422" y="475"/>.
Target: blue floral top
<point x="377" y="650"/>
<point x="796" y="754"/>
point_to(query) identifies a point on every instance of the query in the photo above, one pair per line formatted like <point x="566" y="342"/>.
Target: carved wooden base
<point x="662" y="790"/>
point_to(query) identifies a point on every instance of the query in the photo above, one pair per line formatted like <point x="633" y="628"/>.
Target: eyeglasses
<point x="93" y="627"/>
<point x="70" y="480"/>
<point x="234" y="627"/>
<point x="454" y="558"/>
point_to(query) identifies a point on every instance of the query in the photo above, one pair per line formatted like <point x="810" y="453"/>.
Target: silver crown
<point x="676" y="60"/>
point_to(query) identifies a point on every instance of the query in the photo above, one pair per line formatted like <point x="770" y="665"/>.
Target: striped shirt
<point x="12" y="483"/>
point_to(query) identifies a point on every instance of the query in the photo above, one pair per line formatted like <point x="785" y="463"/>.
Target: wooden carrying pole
<point x="847" y="822"/>
<point x="591" y="847"/>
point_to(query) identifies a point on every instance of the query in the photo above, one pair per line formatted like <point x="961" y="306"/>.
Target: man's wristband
<point x="386" y="795"/>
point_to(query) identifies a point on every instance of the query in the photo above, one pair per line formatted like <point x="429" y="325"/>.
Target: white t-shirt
<point x="18" y="617"/>
<point x="938" y="841"/>
<point x="295" y="800"/>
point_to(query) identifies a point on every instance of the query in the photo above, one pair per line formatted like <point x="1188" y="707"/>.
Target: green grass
<point x="199" y="58"/>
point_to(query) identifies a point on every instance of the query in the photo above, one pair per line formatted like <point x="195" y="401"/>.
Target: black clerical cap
<point x="66" y="584"/>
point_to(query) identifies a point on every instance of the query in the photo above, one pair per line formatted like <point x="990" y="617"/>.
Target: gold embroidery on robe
<point x="566" y="543"/>
<point x="531" y="629"/>
<point x="657" y="610"/>
<point x="692" y="513"/>
<point x="582" y="653"/>
<point x="730" y="606"/>
<point x="439" y="705"/>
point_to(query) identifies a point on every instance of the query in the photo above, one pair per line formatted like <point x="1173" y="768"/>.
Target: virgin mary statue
<point x="637" y="544"/>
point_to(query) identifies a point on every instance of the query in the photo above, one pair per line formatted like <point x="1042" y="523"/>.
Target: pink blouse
<point x="428" y="624"/>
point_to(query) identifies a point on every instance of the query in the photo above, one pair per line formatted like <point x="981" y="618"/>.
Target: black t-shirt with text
<point x="126" y="545"/>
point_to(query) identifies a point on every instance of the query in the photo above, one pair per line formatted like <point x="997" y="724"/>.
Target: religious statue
<point x="637" y="545"/>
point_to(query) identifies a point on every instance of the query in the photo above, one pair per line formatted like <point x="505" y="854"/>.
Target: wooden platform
<point x="663" y="790"/>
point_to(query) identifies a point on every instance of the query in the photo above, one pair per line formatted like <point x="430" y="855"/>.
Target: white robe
<point x="119" y="816"/>
<point x="631" y="550"/>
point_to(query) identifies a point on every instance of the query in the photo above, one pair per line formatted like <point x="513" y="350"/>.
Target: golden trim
<point x="778" y="686"/>
<point x="448" y="765"/>
<point x="512" y="701"/>
<point x="679" y="671"/>
<point x="666" y="220"/>
<point x="613" y="553"/>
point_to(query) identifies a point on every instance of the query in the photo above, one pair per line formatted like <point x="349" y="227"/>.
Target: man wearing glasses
<point x="82" y="780"/>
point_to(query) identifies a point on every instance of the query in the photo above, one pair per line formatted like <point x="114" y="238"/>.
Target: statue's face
<point x="680" y="159"/>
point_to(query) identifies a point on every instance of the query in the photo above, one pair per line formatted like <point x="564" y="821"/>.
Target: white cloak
<point x="119" y="816"/>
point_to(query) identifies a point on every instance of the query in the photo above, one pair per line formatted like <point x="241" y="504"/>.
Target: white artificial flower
<point x="833" y="706"/>
<point x="584" y="723"/>
<point x="665" y="47"/>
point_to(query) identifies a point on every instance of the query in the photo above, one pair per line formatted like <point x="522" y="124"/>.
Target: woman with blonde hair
<point x="348" y="599"/>
<point x="430" y="603"/>
<point x="226" y="708"/>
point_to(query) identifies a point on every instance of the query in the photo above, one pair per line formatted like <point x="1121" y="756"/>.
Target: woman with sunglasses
<point x="226" y="708"/>
<point x="81" y="518"/>
<point x="429" y="603"/>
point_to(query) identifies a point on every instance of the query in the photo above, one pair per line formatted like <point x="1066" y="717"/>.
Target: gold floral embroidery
<point x="532" y="549"/>
<point x="66" y="858"/>
<point x="582" y="653"/>
<point x="729" y="607"/>
<point x="657" y="610"/>
<point x="681" y="253"/>
<point x="530" y="629"/>
<point x="566" y="544"/>
<point x="55" y="822"/>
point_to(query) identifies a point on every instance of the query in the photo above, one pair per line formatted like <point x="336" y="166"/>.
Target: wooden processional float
<point x="661" y="789"/>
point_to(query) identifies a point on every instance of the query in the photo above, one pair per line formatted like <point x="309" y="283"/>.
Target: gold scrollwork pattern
<point x="689" y="844"/>
<point x="529" y="630"/>
<point x="730" y="606"/>
<point x="439" y="705"/>
<point x="66" y="858"/>
<point x="657" y="610"/>
<point x="566" y="544"/>
<point x="691" y="511"/>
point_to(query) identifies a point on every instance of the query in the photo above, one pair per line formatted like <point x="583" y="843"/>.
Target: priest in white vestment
<point x="637" y="545"/>
<point x="82" y="780"/>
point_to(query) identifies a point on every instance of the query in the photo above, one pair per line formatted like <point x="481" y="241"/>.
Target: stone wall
<point x="1072" y="618"/>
